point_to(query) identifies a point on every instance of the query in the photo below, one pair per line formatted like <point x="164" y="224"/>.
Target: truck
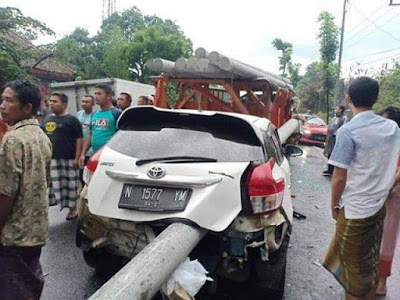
<point x="75" y="90"/>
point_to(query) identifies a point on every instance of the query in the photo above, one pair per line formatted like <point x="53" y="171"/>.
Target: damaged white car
<point x="224" y="172"/>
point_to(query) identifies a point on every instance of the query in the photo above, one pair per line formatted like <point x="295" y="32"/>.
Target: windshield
<point x="153" y="134"/>
<point x="316" y="121"/>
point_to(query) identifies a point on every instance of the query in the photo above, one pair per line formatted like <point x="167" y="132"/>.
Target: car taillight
<point x="91" y="166"/>
<point x="265" y="192"/>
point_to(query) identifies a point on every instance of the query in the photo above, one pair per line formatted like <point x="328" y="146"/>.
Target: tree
<point x="309" y="88"/>
<point x="113" y="46"/>
<point x="287" y="51"/>
<point x="14" y="25"/>
<point x="159" y="39"/>
<point x="129" y="21"/>
<point x="294" y="73"/>
<point x="80" y="51"/>
<point x="328" y="37"/>
<point x="389" y="88"/>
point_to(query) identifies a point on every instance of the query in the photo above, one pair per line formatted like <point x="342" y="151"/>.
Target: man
<point x="145" y="100"/>
<point x="65" y="133"/>
<point x="104" y="121"/>
<point x="3" y="127"/>
<point x="84" y="116"/>
<point x="365" y="160"/>
<point x="333" y="126"/>
<point x="25" y="154"/>
<point x="124" y="101"/>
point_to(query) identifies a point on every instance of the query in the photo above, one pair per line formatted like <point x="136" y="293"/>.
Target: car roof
<point x="248" y="118"/>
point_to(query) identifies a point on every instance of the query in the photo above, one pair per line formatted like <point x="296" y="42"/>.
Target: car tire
<point x="106" y="264"/>
<point x="271" y="275"/>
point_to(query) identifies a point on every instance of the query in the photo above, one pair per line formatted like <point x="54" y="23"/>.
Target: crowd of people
<point x="41" y="166"/>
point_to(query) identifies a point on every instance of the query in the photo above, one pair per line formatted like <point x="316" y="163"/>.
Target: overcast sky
<point x="245" y="29"/>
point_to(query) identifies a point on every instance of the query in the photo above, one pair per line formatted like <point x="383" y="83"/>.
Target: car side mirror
<point x="292" y="151"/>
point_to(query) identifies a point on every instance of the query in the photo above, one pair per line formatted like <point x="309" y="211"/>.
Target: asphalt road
<point x="68" y="277"/>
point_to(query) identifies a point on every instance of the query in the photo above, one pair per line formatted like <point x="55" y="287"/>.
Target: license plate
<point x="154" y="198"/>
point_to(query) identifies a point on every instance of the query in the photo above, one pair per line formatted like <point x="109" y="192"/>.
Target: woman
<point x="392" y="220"/>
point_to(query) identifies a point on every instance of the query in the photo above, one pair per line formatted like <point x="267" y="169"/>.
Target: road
<point x="68" y="277"/>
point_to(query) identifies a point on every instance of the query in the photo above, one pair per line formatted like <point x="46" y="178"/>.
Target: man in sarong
<point x="365" y="158"/>
<point x="25" y="154"/>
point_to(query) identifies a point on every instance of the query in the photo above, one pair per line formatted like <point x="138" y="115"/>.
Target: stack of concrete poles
<point x="213" y="65"/>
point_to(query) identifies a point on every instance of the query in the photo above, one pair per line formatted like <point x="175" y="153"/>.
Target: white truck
<point x="75" y="90"/>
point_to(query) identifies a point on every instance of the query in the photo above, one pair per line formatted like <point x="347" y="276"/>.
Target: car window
<point x="221" y="137"/>
<point x="273" y="145"/>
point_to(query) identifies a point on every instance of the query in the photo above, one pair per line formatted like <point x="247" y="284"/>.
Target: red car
<point x="314" y="132"/>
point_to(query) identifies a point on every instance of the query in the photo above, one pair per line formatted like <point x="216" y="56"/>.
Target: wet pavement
<point x="68" y="277"/>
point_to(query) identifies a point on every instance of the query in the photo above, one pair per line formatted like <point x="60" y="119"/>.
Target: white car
<point x="224" y="172"/>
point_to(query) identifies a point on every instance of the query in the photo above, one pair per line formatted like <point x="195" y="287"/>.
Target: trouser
<point x="21" y="275"/>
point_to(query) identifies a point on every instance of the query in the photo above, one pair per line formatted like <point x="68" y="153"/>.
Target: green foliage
<point x="328" y="37"/>
<point x="294" y="73"/>
<point x="287" y="51"/>
<point x="113" y="46"/>
<point x="159" y="39"/>
<point x="309" y="89"/>
<point x="389" y="89"/>
<point x="129" y="21"/>
<point x="122" y="47"/>
<point x="81" y="52"/>
<point x="12" y="22"/>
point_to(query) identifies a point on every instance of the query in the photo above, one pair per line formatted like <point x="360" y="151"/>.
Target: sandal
<point x="73" y="214"/>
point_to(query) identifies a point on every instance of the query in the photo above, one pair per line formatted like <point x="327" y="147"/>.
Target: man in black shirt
<point x="65" y="133"/>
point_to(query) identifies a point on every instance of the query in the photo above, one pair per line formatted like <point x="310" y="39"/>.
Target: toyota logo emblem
<point x="156" y="173"/>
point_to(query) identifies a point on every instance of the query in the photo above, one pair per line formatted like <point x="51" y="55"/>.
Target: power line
<point x="368" y="26"/>
<point x="369" y="33"/>
<point x="378" y="27"/>
<point x="373" y="61"/>
<point x="374" y="12"/>
<point x="373" y="54"/>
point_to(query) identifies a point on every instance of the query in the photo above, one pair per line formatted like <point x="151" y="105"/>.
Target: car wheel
<point x="105" y="263"/>
<point x="271" y="274"/>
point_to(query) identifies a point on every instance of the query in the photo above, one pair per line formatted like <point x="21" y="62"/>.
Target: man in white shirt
<point x="365" y="159"/>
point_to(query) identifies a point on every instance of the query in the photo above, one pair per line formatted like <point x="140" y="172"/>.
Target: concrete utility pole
<point x="342" y="36"/>
<point x="339" y="84"/>
<point x="143" y="276"/>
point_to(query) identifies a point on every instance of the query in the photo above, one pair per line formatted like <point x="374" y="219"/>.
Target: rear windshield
<point x="148" y="133"/>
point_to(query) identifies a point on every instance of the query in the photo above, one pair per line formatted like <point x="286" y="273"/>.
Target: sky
<point x="244" y="30"/>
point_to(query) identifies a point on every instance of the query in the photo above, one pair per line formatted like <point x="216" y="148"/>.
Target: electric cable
<point x="374" y="12"/>
<point x="367" y="27"/>
<point x="373" y="54"/>
<point x="369" y="33"/>
<point x="373" y="61"/>
<point x="377" y="26"/>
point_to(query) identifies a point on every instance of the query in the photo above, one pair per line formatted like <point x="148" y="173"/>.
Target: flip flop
<point x="71" y="217"/>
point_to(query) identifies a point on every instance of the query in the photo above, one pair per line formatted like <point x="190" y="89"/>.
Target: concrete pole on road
<point x="143" y="276"/>
<point x="287" y="129"/>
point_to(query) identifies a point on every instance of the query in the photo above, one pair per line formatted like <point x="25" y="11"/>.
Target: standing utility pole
<point x="338" y="82"/>
<point x="108" y="8"/>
